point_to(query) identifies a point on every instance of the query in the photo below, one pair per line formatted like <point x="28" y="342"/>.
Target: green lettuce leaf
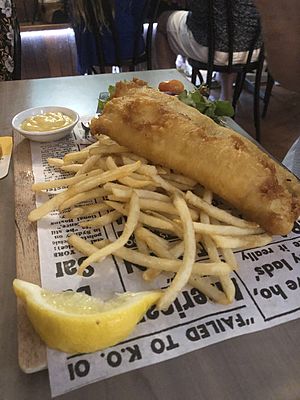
<point x="213" y="109"/>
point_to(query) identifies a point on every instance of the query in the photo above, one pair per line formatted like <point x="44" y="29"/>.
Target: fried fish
<point x="164" y="130"/>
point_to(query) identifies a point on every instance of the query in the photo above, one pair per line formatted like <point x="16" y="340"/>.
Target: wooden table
<point x="263" y="365"/>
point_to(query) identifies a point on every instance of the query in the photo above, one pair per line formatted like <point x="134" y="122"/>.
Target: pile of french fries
<point x="153" y="199"/>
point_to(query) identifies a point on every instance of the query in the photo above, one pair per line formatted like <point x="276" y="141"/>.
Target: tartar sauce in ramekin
<point x="46" y="122"/>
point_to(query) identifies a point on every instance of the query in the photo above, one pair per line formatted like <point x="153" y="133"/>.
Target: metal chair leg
<point x="269" y="87"/>
<point x="200" y="77"/>
<point x="209" y="77"/>
<point x="238" y="88"/>
<point x="194" y="76"/>
<point x="196" y="73"/>
<point x="256" y="104"/>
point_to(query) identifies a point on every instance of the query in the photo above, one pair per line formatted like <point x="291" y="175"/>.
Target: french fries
<point x="109" y="182"/>
<point x="161" y="264"/>
<point x="36" y="187"/>
<point x="132" y="221"/>
<point x="184" y="273"/>
<point x="84" y="196"/>
<point x="84" y="211"/>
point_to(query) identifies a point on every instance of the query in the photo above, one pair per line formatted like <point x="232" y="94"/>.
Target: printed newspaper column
<point x="272" y="276"/>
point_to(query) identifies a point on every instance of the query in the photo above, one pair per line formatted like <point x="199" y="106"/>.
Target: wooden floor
<point x="281" y="126"/>
<point x="55" y="55"/>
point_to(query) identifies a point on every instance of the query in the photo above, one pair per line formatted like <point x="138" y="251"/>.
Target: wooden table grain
<point x="263" y="365"/>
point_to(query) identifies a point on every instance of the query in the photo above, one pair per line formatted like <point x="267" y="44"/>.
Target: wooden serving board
<point x="31" y="351"/>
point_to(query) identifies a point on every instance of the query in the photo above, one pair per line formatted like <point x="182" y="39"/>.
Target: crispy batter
<point x="166" y="131"/>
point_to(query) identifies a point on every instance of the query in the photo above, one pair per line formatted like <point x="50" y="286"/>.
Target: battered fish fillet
<point x="164" y="130"/>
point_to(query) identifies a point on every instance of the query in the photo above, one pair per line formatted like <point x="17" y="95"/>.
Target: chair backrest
<point x="230" y="67"/>
<point x="139" y="53"/>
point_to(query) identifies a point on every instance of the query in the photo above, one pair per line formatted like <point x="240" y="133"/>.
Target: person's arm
<point x="281" y="34"/>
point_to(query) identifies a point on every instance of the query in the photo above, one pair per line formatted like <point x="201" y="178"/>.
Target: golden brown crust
<point x="168" y="132"/>
<point x="122" y="87"/>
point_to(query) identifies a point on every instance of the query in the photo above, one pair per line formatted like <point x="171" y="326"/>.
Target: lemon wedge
<point x="77" y="323"/>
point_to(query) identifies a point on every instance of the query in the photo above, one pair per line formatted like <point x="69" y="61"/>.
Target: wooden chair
<point x="240" y="69"/>
<point x="148" y="15"/>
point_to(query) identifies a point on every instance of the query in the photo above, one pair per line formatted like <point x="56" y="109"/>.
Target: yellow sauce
<point x="46" y="122"/>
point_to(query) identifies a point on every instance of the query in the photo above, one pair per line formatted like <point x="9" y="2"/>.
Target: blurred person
<point x="126" y="13"/>
<point x="281" y="34"/>
<point x="51" y="11"/>
<point x="9" y="29"/>
<point x="186" y="33"/>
